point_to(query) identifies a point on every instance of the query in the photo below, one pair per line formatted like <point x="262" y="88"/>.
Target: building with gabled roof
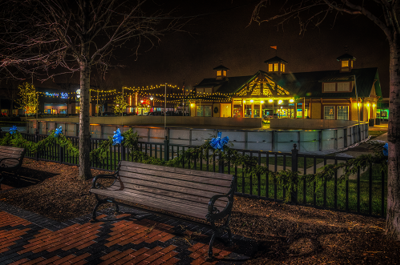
<point x="343" y="94"/>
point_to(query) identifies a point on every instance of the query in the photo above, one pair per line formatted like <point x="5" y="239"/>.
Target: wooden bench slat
<point x="157" y="203"/>
<point x="179" y="170"/>
<point x="131" y="182"/>
<point x="134" y="194"/>
<point x="177" y="183"/>
<point x="173" y="175"/>
<point x="169" y="192"/>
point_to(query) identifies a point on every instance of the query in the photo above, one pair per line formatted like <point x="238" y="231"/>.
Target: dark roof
<point x="275" y="59"/>
<point x="346" y="56"/>
<point x="307" y="84"/>
<point x="221" y="67"/>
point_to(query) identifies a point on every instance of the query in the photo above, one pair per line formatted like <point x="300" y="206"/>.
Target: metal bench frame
<point x="212" y="217"/>
<point x="5" y="168"/>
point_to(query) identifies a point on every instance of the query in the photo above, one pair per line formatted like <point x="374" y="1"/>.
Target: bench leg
<point x="210" y="251"/>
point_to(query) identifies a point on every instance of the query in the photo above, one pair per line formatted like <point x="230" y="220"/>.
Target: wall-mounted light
<point x="151" y="98"/>
<point x="271" y="100"/>
<point x="280" y="101"/>
<point x="368" y="105"/>
<point x="373" y="105"/>
<point x="244" y="101"/>
<point x="192" y="105"/>
<point x="262" y="101"/>
<point x="251" y="101"/>
<point x="291" y="101"/>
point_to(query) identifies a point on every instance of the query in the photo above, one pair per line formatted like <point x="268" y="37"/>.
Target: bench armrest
<point x="8" y="158"/>
<point x="102" y="176"/>
<point x="214" y="213"/>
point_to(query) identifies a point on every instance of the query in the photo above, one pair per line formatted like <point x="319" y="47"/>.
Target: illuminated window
<point x="224" y="73"/>
<point x="199" y="111"/>
<point x="329" y="87"/>
<point x="351" y="64"/>
<point x="219" y="73"/>
<point x="208" y="90"/>
<point x="207" y="111"/>
<point x="199" y="91"/>
<point x="343" y="86"/>
<point x="270" y="67"/>
<point x="343" y="113"/>
<point x="276" y="68"/>
<point x="282" y="67"/>
<point x="345" y="63"/>
<point x="329" y="112"/>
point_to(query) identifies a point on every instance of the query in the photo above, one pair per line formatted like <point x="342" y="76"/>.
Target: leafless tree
<point x="54" y="37"/>
<point x="384" y="13"/>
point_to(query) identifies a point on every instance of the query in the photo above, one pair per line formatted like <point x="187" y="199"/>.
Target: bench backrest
<point x="11" y="152"/>
<point x="184" y="191"/>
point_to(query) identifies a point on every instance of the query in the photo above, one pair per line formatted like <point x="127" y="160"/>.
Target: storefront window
<point x="199" y="111"/>
<point x="329" y="112"/>
<point x="257" y="111"/>
<point x="247" y="111"/>
<point x="237" y="111"/>
<point x="207" y="111"/>
<point x="343" y="113"/>
<point x="226" y="110"/>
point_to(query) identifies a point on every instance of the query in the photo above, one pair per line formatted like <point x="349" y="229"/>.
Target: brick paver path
<point x="122" y="239"/>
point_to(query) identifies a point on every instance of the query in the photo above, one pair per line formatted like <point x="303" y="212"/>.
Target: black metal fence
<point x="363" y="193"/>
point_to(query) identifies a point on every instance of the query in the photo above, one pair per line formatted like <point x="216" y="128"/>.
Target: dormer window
<point x="221" y="72"/>
<point x="276" y="65"/>
<point x="346" y="62"/>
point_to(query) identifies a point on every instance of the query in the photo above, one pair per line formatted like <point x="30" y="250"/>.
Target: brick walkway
<point x="28" y="238"/>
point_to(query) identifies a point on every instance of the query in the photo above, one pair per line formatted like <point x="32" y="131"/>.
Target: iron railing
<point x="364" y="193"/>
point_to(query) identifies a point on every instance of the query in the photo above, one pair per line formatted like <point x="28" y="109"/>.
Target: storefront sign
<point x="63" y="95"/>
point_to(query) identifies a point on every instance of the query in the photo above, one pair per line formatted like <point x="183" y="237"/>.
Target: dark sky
<point x="223" y="34"/>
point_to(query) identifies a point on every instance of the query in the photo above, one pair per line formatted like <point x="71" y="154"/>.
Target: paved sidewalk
<point x="28" y="238"/>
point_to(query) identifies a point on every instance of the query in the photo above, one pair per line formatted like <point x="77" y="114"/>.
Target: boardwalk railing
<point x="363" y="193"/>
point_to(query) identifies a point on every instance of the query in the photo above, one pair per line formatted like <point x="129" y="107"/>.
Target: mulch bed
<point x="285" y="234"/>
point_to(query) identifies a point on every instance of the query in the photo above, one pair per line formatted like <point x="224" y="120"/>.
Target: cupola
<point x="276" y="65"/>
<point x="346" y="62"/>
<point x="221" y="72"/>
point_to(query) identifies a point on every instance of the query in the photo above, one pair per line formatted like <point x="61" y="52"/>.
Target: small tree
<point x="28" y="98"/>
<point x="120" y="105"/>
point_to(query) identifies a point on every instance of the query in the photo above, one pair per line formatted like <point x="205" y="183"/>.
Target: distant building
<point x="337" y="94"/>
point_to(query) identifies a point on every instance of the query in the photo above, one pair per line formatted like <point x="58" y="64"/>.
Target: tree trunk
<point x="84" y="129"/>
<point x="393" y="196"/>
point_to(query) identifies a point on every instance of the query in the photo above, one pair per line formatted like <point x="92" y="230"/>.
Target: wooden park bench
<point x="11" y="160"/>
<point x="200" y="194"/>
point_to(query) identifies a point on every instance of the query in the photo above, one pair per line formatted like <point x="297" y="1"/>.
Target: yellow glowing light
<point x="262" y="101"/>
<point x="271" y="100"/>
<point x="359" y="104"/>
<point x="244" y="101"/>
<point x="291" y="101"/>
<point x="251" y="101"/>
<point x="280" y="102"/>
<point x="192" y="105"/>
<point x="368" y="105"/>
<point x="373" y="105"/>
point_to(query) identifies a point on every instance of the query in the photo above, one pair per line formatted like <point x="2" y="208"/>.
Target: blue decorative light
<point x="386" y="149"/>
<point x="13" y="129"/>
<point x="117" y="138"/>
<point x="58" y="131"/>
<point x="218" y="143"/>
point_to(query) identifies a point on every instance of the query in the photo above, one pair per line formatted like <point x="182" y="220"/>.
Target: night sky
<point x="223" y="34"/>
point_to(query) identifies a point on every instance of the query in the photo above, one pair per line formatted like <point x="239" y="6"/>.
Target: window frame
<point x="334" y="112"/>
<point x="348" y="112"/>
<point x="336" y="87"/>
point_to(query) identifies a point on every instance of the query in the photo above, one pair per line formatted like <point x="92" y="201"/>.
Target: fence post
<point x="36" y="140"/>
<point x="220" y="164"/>
<point x="122" y="153"/>
<point x="294" y="169"/>
<point x="166" y="149"/>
